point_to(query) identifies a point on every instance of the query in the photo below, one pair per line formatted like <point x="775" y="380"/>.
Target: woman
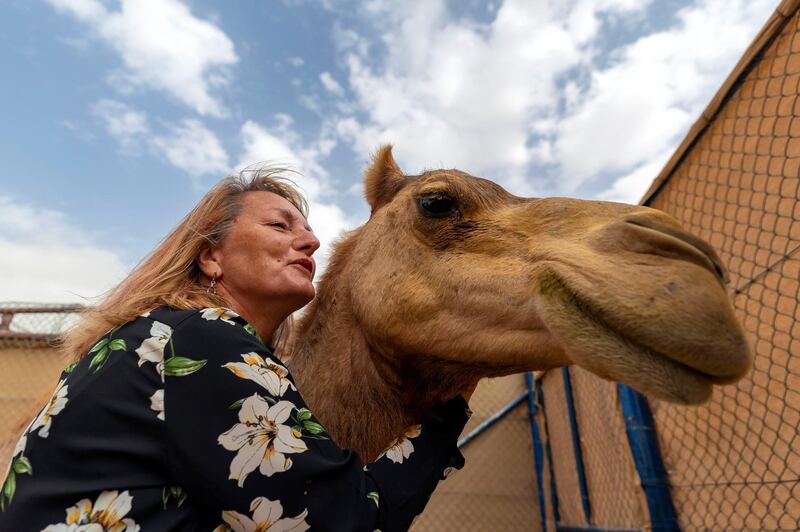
<point x="176" y="416"/>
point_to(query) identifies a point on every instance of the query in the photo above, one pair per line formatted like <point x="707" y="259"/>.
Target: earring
<point x="212" y="289"/>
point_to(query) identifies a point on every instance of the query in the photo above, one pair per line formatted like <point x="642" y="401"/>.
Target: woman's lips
<point x="306" y="264"/>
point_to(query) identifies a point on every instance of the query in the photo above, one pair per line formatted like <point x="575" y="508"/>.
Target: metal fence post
<point x="647" y="456"/>
<point x="576" y="445"/>
<point x="549" y="452"/>
<point x="536" y="441"/>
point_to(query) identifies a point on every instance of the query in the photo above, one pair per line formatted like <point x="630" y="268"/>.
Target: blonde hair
<point x="170" y="275"/>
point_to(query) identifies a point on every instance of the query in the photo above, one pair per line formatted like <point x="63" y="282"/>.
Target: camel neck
<point x="349" y="388"/>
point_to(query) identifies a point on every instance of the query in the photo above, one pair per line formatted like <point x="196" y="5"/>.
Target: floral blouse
<point x="185" y="420"/>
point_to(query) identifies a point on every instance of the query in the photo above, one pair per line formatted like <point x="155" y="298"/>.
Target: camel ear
<point x="383" y="179"/>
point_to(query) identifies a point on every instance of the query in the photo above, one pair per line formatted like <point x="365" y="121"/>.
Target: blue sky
<point x="119" y="115"/>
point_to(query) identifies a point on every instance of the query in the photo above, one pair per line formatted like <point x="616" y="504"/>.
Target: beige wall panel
<point x="496" y="490"/>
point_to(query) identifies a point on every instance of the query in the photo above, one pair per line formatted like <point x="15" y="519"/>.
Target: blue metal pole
<point x="576" y="445"/>
<point x="488" y="422"/>
<point x="536" y="439"/>
<point x="647" y="456"/>
<point x="549" y="451"/>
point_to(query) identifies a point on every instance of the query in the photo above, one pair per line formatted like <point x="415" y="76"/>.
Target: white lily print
<point x="266" y="517"/>
<point x="220" y="313"/>
<point x="266" y="372"/>
<point x="106" y="514"/>
<point x="56" y="404"/>
<point x="152" y="349"/>
<point x="157" y="403"/>
<point x="261" y="439"/>
<point x="402" y="447"/>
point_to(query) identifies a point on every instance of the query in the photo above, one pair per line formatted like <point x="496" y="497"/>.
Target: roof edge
<point x="771" y="28"/>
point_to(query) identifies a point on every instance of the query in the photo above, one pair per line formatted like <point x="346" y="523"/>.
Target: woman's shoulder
<point x="214" y="325"/>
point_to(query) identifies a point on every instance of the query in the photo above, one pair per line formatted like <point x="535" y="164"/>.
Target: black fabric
<point x="185" y="420"/>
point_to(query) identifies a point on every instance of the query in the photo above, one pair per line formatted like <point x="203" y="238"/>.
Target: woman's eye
<point x="437" y="206"/>
<point x="281" y="225"/>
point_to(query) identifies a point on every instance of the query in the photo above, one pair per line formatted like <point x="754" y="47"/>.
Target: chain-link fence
<point x="29" y="365"/>
<point x="735" y="464"/>
<point x="496" y="490"/>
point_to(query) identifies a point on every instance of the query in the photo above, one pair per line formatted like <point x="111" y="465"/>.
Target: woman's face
<point x="266" y="258"/>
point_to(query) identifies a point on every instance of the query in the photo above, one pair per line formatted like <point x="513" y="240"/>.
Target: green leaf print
<point x="9" y="487"/>
<point x="118" y="345"/>
<point x="175" y="492"/>
<point x="99" y="345"/>
<point x="312" y="427"/>
<point x="249" y="328"/>
<point x="305" y="427"/>
<point x="99" y="359"/>
<point x="19" y="466"/>
<point x="22" y="466"/>
<point x="103" y="348"/>
<point x="374" y="497"/>
<point x="182" y="366"/>
<point x="70" y="368"/>
<point x="236" y="405"/>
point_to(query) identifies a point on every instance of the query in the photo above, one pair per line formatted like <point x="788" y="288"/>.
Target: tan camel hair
<point x="452" y="279"/>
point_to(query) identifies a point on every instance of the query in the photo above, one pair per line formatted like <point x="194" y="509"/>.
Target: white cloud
<point x="162" y="46"/>
<point x="189" y="146"/>
<point x="194" y="148"/>
<point x="282" y="146"/>
<point x="47" y="259"/>
<point x="537" y="91"/>
<point x="123" y="122"/>
<point x="296" y="61"/>
<point x="638" y="108"/>
<point x="330" y="84"/>
<point x="631" y="187"/>
<point x="467" y="94"/>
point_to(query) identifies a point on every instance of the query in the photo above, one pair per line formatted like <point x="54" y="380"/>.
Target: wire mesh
<point x="496" y="489"/>
<point x="616" y="497"/>
<point x="735" y="463"/>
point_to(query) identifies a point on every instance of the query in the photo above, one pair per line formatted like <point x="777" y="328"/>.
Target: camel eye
<point x="437" y="206"/>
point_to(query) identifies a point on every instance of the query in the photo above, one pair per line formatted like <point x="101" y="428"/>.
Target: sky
<point x="118" y="115"/>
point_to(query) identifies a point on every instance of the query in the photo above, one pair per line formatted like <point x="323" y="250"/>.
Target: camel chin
<point x="593" y="345"/>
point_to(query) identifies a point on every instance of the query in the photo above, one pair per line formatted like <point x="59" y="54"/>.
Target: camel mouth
<point x="592" y="343"/>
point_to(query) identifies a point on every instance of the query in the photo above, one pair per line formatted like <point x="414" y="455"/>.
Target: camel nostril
<point x="675" y="241"/>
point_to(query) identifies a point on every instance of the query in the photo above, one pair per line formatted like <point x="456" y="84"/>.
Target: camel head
<point x="453" y="278"/>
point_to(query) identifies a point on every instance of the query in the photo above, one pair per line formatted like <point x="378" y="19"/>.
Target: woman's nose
<point x="306" y="242"/>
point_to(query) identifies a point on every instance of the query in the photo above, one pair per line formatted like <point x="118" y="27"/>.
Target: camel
<point x="453" y="279"/>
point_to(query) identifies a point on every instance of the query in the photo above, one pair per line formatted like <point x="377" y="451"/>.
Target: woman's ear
<point x="209" y="261"/>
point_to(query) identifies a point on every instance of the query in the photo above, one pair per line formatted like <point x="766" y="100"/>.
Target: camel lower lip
<point x="653" y="372"/>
